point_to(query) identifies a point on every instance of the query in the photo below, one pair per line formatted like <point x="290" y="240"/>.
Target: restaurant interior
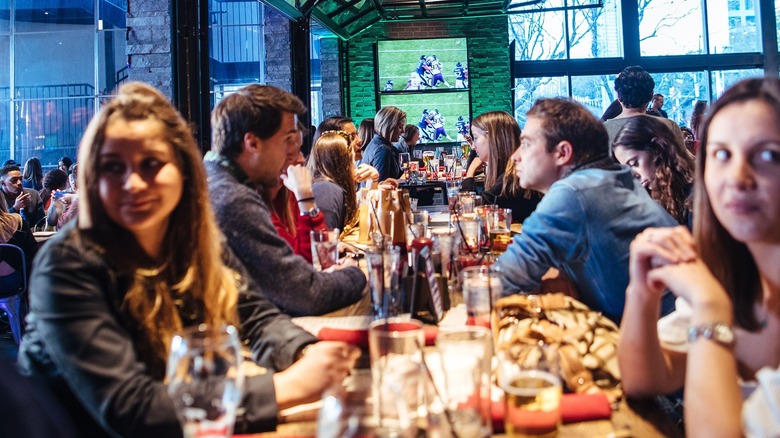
<point x="443" y="63"/>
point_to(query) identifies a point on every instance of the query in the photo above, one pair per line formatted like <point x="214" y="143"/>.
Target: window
<point x="527" y="90"/>
<point x="681" y="91"/>
<point x="64" y="61"/>
<point x="670" y="27"/>
<point x="732" y="27"/>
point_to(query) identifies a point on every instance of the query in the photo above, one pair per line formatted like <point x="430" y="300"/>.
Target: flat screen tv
<point x="422" y="65"/>
<point x="441" y="117"/>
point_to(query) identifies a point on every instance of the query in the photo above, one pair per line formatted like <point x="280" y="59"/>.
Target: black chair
<point x="13" y="287"/>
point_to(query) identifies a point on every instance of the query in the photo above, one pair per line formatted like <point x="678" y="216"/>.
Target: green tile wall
<point x="489" y="65"/>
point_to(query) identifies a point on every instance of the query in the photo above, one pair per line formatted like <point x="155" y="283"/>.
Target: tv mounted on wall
<point x="422" y="64"/>
<point x="428" y="79"/>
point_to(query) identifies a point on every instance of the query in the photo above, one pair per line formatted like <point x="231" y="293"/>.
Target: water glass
<point x="347" y="409"/>
<point x="481" y="288"/>
<point x="442" y="243"/>
<point x="205" y="379"/>
<point x="453" y="189"/>
<point x="466" y="354"/>
<point x="468" y="202"/>
<point x="529" y="374"/>
<point x="324" y="248"/>
<point x="395" y="348"/>
<point x="385" y="271"/>
<point x="468" y="231"/>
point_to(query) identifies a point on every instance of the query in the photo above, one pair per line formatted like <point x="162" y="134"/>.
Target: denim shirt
<point x="583" y="226"/>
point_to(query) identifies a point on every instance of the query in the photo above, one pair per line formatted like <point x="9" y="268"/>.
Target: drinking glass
<point x="468" y="202"/>
<point x="427" y="156"/>
<point x="466" y="355"/>
<point x="384" y="280"/>
<point x="498" y="222"/>
<point x="395" y="348"/>
<point x="481" y="288"/>
<point x="324" y="248"/>
<point x="434" y="170"/>
<point x="205" y="379"/>
<point x="529" y="374"/>
<point x="347" y="409"/>
<point x="404" y="159"/>
<point x="453" y="189"/>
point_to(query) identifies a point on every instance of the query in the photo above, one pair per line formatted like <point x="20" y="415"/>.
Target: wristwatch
<point x="312" y="212"/>
<point x="719" y="332"/>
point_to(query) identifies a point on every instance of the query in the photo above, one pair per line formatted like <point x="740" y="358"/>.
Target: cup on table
<point x="395" y="348"/>
<point x="384" y="280"/>
<point x="324" y="248"/>
<point x="498" y="222"/>
<point x="347" y="408"/>
<point x="529" y="374"/>
<point x="205" y="379"/>
<point x="466" y="354"/>
<point x="481" y="288"/>
<point x="468" y="232"/>
<point x="453" y="189"/>
<point x="442" y="243"/>
<point x="413" y="203"/>
<point x="468" y="202"/>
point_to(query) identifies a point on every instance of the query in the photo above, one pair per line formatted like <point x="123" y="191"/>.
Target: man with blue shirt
<point x="591" y="210"/>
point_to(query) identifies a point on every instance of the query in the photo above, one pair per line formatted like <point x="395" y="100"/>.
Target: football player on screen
<point x="461" y="75"/>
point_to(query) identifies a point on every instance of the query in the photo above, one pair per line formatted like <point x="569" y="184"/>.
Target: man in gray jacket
<point x="253" y="132"/>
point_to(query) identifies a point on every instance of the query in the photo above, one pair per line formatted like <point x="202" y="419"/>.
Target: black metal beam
<point x="300" y="46"/>
<point x="510" y="8"/>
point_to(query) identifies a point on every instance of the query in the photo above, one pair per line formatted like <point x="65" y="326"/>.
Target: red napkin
<point x="574" y="408"/>
<point x="359" y="337"/>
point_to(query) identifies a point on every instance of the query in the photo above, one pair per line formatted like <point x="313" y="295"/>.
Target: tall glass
<point x="205" y="380"/>
<point x="466" y="354"/>
<point x="530" y="378"/>
<point x="384" y="281"/>
<point x="481" y="288"/>
<point x="404" y="159"/>
<point x="498" y="223"/>
<point x="324" y="248"/>
<point x="427" y="157"/>
<point x="395" y="348"/>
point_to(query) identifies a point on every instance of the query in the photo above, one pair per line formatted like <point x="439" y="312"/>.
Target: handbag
<point x="586" y="340"/>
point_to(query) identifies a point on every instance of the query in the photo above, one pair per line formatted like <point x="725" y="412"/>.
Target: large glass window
<point x="55" y="66"/>
<point x="681" y="91"/>
<point x="580" y="32"/>
<point x="732" y="26"/>
<point x="671" y="27"/>
<point x="236" y="46"/>
<point x="527" y="90"/>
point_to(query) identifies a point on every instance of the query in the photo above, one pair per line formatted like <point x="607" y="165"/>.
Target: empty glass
<point x="395" y="347"/>
<point x="347" y="409"/>
<point x="481" y="288"/>
<point x="205" y="379"/>
<point x="384" y="280"/>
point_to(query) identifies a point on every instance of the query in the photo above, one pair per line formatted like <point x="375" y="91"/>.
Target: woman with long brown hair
<point x="145" y="260"/>
<point x="663" y="165"/>
<point x="496" y="135"/>
<point x="331" y="163"/>
<point x="725" y="338"/>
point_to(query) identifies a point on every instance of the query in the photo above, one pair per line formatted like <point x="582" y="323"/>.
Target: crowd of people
<point x="154" y="238"/>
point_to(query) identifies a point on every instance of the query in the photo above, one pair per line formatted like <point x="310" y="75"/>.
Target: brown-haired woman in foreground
<point x="331" y="163"/>
<point x="660" y="163"/>
<point x="145" y="260"/>
<point x="727" y="274"/>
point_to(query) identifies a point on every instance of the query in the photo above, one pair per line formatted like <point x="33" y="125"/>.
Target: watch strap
<point x="718" y="332"/>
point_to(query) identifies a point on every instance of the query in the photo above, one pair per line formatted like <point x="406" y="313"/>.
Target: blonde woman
<point x="331" y="165"/>
<point x="144" y="260"/>
<point x="380" y="153"/>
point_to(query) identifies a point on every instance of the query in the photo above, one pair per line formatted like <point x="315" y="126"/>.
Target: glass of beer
<point x="498" y="222"/>
<point x="529" y="374"/>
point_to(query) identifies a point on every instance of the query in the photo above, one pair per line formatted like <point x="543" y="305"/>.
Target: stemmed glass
<point x="205" y="379"/>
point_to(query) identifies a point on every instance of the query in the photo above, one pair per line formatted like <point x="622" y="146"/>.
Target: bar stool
<point x="13" y="287"/>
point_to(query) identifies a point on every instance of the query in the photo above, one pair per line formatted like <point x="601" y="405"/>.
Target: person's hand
<point x="365" y="172"/>
<point x="473" y="167"/>
<point x="22" y="201"/>
<point x="68" y="199"/>
<point x="324" y="364"/>
<point x="344" y="262"/>
<point x="298" y="179"/>
<point x="389" y="184"/>
<point x="694" y="282"/>
<point x="653" y="248"/>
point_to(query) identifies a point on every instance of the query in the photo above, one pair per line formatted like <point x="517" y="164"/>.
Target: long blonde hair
<point x="192" y="278"/>
<point x="331" y="159"/>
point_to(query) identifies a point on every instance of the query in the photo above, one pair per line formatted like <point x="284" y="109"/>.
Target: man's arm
<point x="284" y="278"/>
<point x="552" y="235"/>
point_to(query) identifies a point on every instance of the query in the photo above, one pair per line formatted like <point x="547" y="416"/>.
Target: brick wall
<point x="149" y="43"/>
<point x="278" y="64"/>
<point x="489" y="66"/>
<point x="331" y="80"/>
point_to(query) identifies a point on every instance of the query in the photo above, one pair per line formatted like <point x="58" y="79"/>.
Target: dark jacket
<point x="284" y="278"/>
<point x="80" y="341"/>
<point x="381" y="154"/>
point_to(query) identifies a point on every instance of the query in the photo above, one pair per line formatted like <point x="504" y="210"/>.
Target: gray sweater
<point x="284" y="278"/>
